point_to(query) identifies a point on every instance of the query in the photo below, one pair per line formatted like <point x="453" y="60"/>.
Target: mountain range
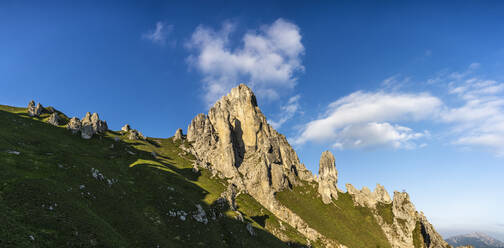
<point x="476" y="239"/>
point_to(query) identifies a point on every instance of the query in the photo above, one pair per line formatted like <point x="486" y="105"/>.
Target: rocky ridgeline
<point x="405" y="217"/>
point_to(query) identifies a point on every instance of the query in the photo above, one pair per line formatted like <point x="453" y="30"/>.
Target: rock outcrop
<point x="179" y="135"/>
<point x="74" y="125"/>
<point x="88" y="126"/>
<point x="126" y="128"/>
<point x="328" y="177"/>
<point x="34" y="111"/>
<point x="134" y="134"/>
<point x="54" y="119"/>
<point x="366" y="198"/>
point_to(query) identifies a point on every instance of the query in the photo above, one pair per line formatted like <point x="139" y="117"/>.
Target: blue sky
<point x="406" y="94"/>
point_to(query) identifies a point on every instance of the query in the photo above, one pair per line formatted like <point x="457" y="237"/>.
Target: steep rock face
<point x="328" y="177"/>
<point x="234" y="141"/>
<point x="431" y="238"/>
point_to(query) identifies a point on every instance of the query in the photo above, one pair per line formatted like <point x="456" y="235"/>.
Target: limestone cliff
<point x="235" y="141"/>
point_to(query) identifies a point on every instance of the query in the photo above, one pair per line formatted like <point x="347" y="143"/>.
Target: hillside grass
<point x="63" y="191"/>
<point x="350" y="225"/>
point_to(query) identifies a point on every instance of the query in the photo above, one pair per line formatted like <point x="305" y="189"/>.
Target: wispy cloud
<point x="159" y="34"/>
<point x="267" y="58"/>
<point x="288" y="111"/>
<point x="479" y="120"/>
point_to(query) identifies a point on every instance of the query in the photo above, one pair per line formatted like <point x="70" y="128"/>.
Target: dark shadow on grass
<point x="260" y="219"/>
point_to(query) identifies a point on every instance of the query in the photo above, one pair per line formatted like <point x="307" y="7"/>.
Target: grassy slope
<point x="342" y="221"/>
<point x="50" y="198"/>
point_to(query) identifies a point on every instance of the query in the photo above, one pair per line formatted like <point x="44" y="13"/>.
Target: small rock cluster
<point x="88" y="126"/>
<point x="133" y="134"/>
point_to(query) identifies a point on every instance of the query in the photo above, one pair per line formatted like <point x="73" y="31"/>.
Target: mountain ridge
<point x="233" y="149"/>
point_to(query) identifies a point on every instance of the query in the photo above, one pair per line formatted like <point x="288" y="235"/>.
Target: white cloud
<point x="375" y="134"/>
<point x="288" y="111"/>
<point x="363" y="119"/>
<point x="267" y="59"/>
<point x="159" y="34"/>
<point x="479" y="120"/>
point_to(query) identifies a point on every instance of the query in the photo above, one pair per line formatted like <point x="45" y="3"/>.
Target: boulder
<point x="54" y="119"/>
<point x="328" y="177"/>
<point x="178" y="135"/>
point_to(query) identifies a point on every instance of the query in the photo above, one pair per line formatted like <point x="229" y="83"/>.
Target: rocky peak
<point x="234" y="141"/>
<point x="328" y="177"/>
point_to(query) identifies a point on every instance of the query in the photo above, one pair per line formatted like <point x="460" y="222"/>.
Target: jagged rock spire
<point x="328" y="177"/>
<point x="178" y="135"/>
<point x="34" y="111"/>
